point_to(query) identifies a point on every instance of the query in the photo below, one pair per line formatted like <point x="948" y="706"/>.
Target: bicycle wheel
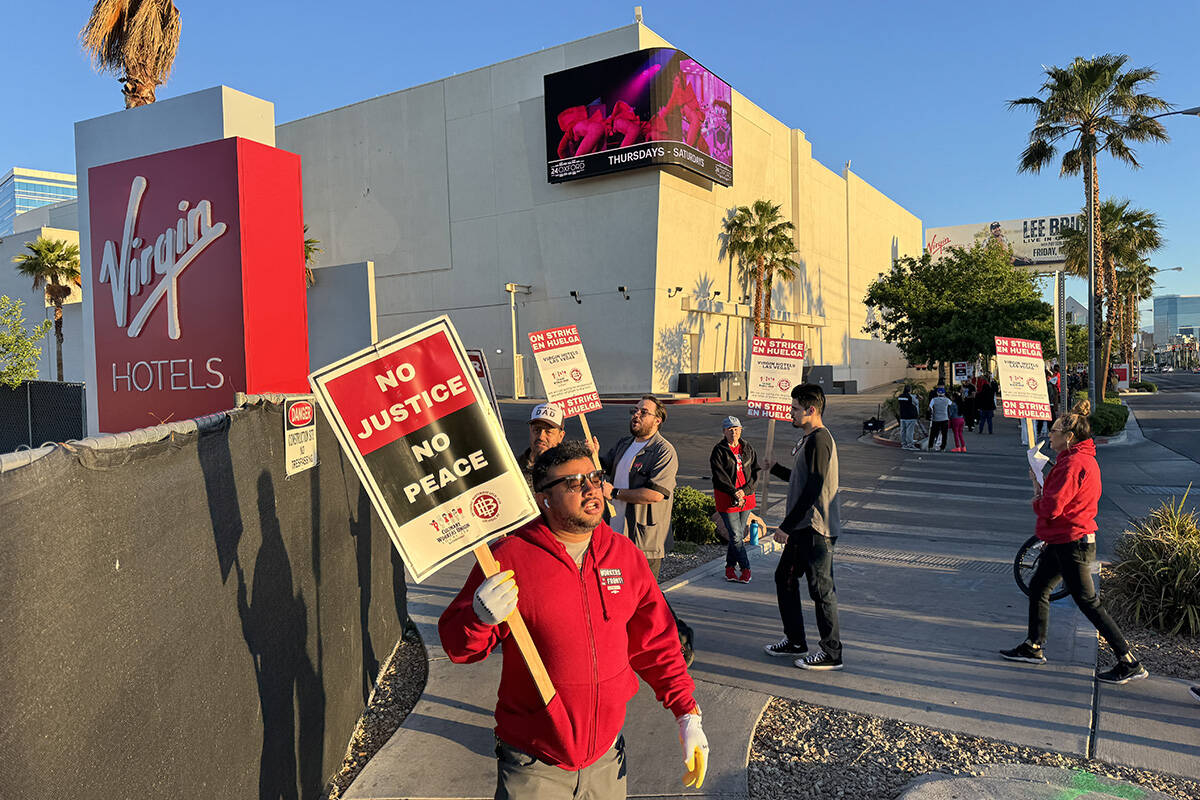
<point x="1025" y="564"/>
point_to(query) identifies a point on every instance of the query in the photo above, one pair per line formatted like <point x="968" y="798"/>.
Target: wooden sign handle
<point x="770" y="454"/>
<point x="520" y="633"/>
<point x="587" y="435"/>
<point x="1029" y="432"/>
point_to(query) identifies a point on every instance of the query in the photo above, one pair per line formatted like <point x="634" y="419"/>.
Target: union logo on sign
<point x="576" y="375"/>
<point x="486" y="506"/>
<point x="1031" y="383"/>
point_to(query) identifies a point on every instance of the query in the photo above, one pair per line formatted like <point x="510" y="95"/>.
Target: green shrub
<point x="1143" y="386"/>
<point x="1157" y="574"/>
<point x="891" y="406"/>
<point x="1108" y="419"/>
<point x="690" y="517"/>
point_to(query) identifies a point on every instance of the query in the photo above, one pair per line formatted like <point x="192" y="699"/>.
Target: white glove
<point x="695" y="749"/>
<point x="496" y="598"/>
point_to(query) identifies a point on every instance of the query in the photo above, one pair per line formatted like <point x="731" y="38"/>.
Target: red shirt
<point x="724" y="501"/>
<point x="1066" y="511"/>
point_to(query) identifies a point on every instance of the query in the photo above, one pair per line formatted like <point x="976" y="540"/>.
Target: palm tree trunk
<point x="1112" y="318"/>
<point x="759" y="287"/>
<point x="58" y="336"/>
<point x="138" y="92"/>
<point x="1097" y="300"/>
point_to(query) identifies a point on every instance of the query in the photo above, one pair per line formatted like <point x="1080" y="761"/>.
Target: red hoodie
<point x="1066" y="511"/>
<point x="594" y="627"/>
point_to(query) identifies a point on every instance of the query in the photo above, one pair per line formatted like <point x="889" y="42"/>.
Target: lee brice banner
<point x="1022" y="376"/>
<point x="410" y="415"/>
<point x="564" y="369"/>
<point x="1035" y="241"/>
<point x="653" y="107"/>
<point x="776" y="367"/>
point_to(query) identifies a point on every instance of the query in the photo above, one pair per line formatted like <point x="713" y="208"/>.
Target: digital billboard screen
<point x="653" y="107"/>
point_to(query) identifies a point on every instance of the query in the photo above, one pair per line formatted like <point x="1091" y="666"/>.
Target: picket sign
<point x="567" y="378"/>
<point x="1022" y="374"/>
<point x="416" y="423"/>
<point x="776" y="367"/>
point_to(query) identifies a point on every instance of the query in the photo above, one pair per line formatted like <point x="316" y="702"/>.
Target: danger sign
<point x="413" y="419"/>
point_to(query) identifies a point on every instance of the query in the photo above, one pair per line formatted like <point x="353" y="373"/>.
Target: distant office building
<point x="24" y="189"/>
<point x="1076" y="312"/>
<point x="1173" y="313"/>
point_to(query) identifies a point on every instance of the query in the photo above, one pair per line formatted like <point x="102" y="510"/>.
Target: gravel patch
<point x="687" y="556"/>
<point x="802" y="750"/>
<point x="400" y="684"/>
<point x="1171" y="656"/>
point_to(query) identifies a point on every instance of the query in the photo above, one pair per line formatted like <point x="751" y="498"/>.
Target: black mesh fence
<point x="180" y="618"/>
<point x="37" y="412"/>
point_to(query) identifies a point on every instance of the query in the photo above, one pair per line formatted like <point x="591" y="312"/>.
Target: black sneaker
<point x="1029" y="653"/>
<point x="819" y="661"/>
<point x="1123" y="672"/>
<point x="1194" y="691"/>
<point x="784" y="647"/>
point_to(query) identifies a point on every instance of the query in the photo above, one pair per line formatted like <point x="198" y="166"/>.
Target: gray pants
<point x="520" y="776"/>
<point x="906" y="432"/>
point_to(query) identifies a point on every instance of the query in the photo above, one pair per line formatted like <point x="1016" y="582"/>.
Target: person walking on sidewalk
<point x="909" y="412"/>
<point x="985" y="403"/>
<point x="808" y="532"/>
<point x="956" y="423"/>
<point x="939" y="418"/>
<point x="600" y="622"/>
<point x="1066" y="522"/>
<point x="735" y="472"/>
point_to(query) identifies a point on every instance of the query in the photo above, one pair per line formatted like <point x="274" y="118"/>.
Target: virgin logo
<point x="300" y="414"/>
<point x="937" y="245"/>
<point x="173" y="251"/>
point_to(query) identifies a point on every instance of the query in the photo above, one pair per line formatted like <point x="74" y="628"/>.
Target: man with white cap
<point x="545" y="431"/>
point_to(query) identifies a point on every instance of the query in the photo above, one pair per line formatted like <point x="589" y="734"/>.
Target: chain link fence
<point x="37" y="412"/>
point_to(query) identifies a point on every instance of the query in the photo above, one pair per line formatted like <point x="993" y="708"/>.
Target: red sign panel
<point x="197" y="281"/>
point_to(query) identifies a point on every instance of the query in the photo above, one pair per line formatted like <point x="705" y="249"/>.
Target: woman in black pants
<point x="1066" y="522"/>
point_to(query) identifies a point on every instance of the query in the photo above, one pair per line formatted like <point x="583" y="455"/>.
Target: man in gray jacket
<point x="642" y="468"/>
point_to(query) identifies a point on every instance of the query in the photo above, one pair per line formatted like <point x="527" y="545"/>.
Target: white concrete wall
<point x="341" y="312"/>
<point x="204" y="116"/>
<point x="18" y="287"/>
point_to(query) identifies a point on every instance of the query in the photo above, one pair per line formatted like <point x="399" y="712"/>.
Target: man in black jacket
<point x="809" y="532"/>
<point x="908" y="418"/>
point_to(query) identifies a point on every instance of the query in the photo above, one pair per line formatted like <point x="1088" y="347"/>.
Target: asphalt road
<point x="1172" y="416"/>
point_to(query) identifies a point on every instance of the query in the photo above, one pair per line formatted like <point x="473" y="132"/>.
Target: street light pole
<point x="512" y="289"/>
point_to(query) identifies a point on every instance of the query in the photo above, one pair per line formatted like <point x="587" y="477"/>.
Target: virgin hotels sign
<point x="201" y="251"/>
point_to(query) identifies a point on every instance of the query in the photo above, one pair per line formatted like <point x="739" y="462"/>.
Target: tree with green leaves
<point x="54" y="264"/>
<point x="20" y="347"/>
<point x="761" y="240"/>
<point x="1129" y="236"/>
<point x="1092" y="106"/>
<point x="952" y="309"/>
<point x="135" y="40"/>
<point x="312" y="249"/>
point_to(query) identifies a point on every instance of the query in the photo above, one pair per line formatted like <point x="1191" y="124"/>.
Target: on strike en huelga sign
<point x="564" y="369"/>
<point x="411" y="416"/>
<point x="776" y="366"/>
<point x="963" y="370"/>
<point x="299" y="435"/>
<point x="1022" y="378"/>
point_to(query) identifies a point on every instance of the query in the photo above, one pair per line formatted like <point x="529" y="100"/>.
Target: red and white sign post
<point x="776" y="367"/>
<point x="1022" y="375"/>
<point x="413" y="419"/>
<point x="197" y="281"/>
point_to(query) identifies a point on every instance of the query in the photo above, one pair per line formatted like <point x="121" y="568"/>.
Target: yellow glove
<point x="695" y="749"/>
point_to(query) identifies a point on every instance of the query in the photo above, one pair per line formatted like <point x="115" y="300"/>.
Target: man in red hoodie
<point x="599" y="620"/>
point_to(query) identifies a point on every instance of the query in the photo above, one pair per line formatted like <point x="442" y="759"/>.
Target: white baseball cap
<point x="547" y="412"/>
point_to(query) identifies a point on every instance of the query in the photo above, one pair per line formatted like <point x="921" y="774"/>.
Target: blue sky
<point x="913" y="93"/>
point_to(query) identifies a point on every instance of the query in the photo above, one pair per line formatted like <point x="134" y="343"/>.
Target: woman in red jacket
<point x="1066" y="522"/>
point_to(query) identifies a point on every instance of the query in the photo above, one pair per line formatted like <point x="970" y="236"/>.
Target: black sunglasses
<point x="574" y="482"/>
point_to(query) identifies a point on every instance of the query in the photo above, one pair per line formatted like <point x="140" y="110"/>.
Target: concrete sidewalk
<point x="923" y="611"/>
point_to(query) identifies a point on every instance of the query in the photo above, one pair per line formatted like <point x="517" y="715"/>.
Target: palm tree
<point x="136" y="40"/>
<point x="1127" y="237"/>
<point x="1093" y="106"/>
<point x="312" y="249"/>
<point x="1137" y="284"/>
<point x="761" y="240"/>
<point x="54" y="264"/>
